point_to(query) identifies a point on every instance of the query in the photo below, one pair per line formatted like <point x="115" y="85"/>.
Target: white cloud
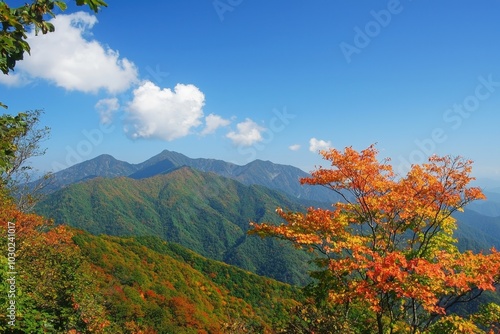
<point x="248" y="133"/>
<point x="316" y="145"/>
<point x="73" y="62"/>
<point x="163" y="113"/>
<point x="294" y="147"/>
<point x="213" y="122"/>
<point x="13" y="79"/>
<point x="106" y="108"/>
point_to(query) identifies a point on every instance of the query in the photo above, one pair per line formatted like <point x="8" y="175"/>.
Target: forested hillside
<point x="202" y="211"/>
<point x="209" y="214"/>
<point x="69" y="281"/>
<point x="150" y="284"/>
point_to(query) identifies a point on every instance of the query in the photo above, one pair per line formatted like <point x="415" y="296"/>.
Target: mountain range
<point x="279" y="177"/>
<point x="206" y="205"/>
<point x="283" y="178"/>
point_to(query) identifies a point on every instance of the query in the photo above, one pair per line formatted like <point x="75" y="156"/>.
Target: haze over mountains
<point x="489" y="207"/>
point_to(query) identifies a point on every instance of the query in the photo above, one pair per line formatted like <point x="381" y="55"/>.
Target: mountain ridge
<point x="284" y="178"/>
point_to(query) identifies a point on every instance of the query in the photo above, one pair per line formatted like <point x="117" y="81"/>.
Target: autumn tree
<point x="386" y="252"/>
<point x="53" y="289"/>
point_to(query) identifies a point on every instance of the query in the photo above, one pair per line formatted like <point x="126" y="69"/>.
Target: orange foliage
<point x="184" y="311"/>
<point x="49" y="265"/>
<point x="389" y="244"/>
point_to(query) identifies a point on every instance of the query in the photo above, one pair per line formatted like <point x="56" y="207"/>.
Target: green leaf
<point x="61" y="4"/>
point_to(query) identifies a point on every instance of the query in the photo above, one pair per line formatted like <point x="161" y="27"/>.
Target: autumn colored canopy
<point x="388" y="246"/>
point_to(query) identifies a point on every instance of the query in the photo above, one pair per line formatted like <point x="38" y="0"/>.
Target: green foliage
<point x="489" y="317"/>
<point x="11" y="127"/>
<point x="311" y="317"/>
<point x="19" y="177"/>
<point x="17" y="21"/>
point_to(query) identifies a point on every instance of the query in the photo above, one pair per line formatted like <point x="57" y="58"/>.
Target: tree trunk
<point x="380" y="324"/>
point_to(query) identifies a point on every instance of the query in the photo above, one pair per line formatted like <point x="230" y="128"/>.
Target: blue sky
<point x="274" y="80"/>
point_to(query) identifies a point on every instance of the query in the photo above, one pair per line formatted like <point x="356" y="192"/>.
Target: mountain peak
<point x="105" y="156"/>
<point x="261" y="162"/>
<point x="175" y="158"/>
<point x="104" y="165"/>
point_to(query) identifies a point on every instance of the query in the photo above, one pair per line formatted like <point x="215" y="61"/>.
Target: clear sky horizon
<point x="241" y="80"/>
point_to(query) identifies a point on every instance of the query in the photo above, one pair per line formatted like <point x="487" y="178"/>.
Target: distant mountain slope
<point x="274" y="176"/>
<point x="476" y="231"/>
<point x="205" y="212"/>
<point x="489" y="207"/>
<point x="151" y="286"/>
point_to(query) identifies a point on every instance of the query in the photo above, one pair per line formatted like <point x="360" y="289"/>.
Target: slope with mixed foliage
<point x="69" y="281"/>
<point x="50" y="286"/>
<point x="202" y="211"/>
<point x="149" y="284"/>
